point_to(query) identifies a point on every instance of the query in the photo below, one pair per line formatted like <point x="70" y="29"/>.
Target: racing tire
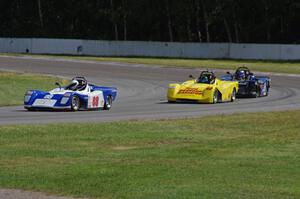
<point x="75" y="103"/>
<point x="108" y="103"/>
<point x="233" y="96"/>
<point x="257" y="94"/>
<point x="216" y="97"/>
<point x="268" y="88"/>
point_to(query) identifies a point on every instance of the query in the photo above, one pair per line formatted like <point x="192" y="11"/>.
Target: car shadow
<point x="57" y="110"/>
<point x="182" y="102"/>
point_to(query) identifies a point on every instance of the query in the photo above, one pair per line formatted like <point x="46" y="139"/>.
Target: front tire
<point x="108" y="103"/>
<point x="233" y="95"/>
<point x="75" y="103"/>
<point x="257" y="94"/>
<point x="267" y="89"/>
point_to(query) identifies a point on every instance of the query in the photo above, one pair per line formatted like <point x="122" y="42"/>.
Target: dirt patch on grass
<point x="124" y="148"/>
<point x="20" y="194"/>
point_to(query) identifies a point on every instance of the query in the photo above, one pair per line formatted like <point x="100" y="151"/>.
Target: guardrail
<point x="150" y="49"/>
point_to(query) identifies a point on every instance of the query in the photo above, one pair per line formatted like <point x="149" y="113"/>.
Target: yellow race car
<point x="206" y="89"/>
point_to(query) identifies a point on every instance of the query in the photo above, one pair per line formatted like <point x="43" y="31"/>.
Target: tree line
<point x="236" y="21"/>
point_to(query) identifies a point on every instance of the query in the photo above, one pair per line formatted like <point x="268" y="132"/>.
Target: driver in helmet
<point x="73" y="85"/>
<point x="241" y="75"/>
<point x="203" y="79"/>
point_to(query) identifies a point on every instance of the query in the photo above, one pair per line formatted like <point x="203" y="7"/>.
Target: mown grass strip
<point x="291" y="67"/>
<point x="239" y="156"/>
<point x="262" y="66"/>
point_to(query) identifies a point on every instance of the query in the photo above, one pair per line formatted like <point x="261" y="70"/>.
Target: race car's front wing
<point x="46" y="104"/>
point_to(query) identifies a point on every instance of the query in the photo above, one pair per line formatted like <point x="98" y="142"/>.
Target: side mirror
<point x="228" y="73"/>
<point x="58" y="84"/>
<point x="191" y="76"/>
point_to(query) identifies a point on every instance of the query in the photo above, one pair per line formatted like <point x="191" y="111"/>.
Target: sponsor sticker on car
<point x="194" y="91"/>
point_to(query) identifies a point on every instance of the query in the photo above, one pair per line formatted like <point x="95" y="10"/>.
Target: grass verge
<point x="14" y="85"/>
<point x="237" y="156"/>
<point x="291" y="67"/>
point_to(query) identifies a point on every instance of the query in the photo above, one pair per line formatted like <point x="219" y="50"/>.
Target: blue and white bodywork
<point x="249" y="84"/>
<point x="79" y="95"/>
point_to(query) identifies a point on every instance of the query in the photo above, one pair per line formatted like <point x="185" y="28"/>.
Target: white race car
<point x="78" y="95"/>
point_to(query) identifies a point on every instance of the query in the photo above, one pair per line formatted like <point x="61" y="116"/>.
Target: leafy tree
<point x="256" y="21"/>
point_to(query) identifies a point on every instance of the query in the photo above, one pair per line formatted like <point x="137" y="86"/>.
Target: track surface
<point x="141" y="92"/>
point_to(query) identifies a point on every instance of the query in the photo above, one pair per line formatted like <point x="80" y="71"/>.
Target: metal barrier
<point x="150" y="49"/>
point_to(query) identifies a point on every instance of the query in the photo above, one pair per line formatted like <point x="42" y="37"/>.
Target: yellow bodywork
<point x="201" y="92"/>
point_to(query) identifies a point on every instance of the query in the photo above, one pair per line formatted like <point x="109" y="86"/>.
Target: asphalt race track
<point x="141" y="92"/>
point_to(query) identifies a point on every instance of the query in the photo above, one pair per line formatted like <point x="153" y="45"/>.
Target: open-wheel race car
<point x="250" y="85"/>
<point x="78" y="95"/>
<point x="205" y="89"/>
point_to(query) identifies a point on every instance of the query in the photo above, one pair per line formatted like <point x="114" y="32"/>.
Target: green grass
<point x="14" y="85"/>
<point x="237" y="156"/>
<point x="262" y="66"/>
<point x="292" y="67"/>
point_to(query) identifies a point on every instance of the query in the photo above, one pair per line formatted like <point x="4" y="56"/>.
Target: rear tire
<point x="108" y="103"/>
<point x="75" y="103"/>
<point x="215" y="97"/>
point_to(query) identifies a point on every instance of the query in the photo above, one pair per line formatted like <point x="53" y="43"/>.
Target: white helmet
<point x="74" y="84"/>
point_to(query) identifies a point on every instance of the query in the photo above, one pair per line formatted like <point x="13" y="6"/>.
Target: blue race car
<point x="249" y="84"/>
<point x="78" y="95"/>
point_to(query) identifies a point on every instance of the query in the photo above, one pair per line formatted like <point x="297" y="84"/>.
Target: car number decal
<point x="95" y="101"/>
